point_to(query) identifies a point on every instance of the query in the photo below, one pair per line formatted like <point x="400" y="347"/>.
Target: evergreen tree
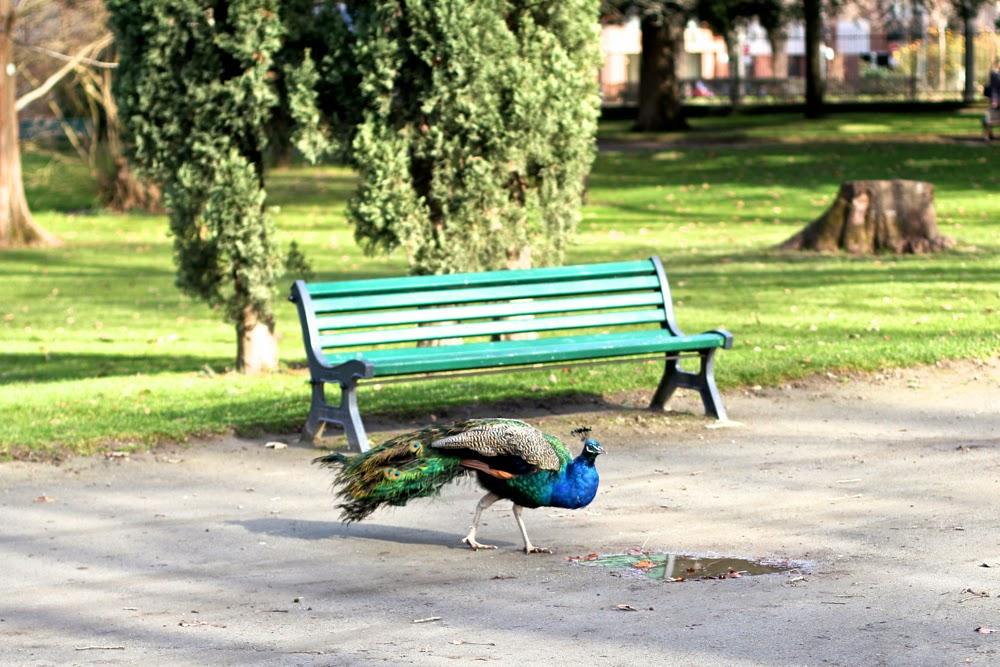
<point x="199" y="84"/>
<point x="477" y="129"/>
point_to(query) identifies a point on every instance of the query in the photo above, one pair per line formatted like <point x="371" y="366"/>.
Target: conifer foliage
<point x="476" y="131"/>
<point x="199" y="84"/>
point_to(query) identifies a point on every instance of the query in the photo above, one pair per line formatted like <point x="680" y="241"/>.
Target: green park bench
<point x="362" y="329"/>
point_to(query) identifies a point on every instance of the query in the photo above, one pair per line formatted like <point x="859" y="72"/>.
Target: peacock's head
<point x="591" y="448"/>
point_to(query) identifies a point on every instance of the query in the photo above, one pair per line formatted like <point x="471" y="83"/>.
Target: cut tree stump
<point x="876" y="216"/>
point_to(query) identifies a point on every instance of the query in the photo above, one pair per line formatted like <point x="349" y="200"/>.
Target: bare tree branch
<point x="59" y="74"/>
<point x="62" y="56"/>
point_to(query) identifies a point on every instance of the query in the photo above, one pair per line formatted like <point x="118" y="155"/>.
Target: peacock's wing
<point x="503" y="437"/>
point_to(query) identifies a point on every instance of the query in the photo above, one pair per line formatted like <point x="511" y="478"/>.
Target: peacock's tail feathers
<point x="393" y="473"/>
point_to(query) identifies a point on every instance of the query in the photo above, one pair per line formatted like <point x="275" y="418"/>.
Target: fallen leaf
<point x="45" y="499"/>
<point x="644" y="564"/>
<point x="429" y="619"/>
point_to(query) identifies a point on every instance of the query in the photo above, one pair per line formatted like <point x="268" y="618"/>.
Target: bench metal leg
<point x="346" y="414"/>
<point x="703" y="382"/>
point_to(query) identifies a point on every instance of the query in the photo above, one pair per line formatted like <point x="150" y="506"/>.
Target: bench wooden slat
<point x="477" y="294"/>
<point x="389" y="362"/>
<point x="514" y="308"/>
<point x="410" y="284"/>
<point x="386" y="336"/>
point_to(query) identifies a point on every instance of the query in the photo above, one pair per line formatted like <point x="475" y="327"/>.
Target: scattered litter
<point x="117" y="454"/>
<point x="854" y="497"/>
<point x="275" y="445"/>
<point x="460" y="642"/>
<point x="429" y="619"/>
<point x="130" y="609"/>
<point x="503" y="576"/>
<point x="99" y="648"/>
<point x="624" y="607"/>
<point x="727" y="423"/>
<point x="191" y="624"/>
<point x="847" y="481"/>
<point x="974" y="595"/>
<point x="45" y="499"/>
<point x="985" y="565"/>
<point x="983" y="630"/>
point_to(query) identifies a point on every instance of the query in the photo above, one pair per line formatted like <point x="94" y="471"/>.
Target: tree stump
<point x="876" y="216"/>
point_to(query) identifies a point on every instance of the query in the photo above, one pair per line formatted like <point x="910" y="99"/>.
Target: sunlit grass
<point x="99" y="347"/>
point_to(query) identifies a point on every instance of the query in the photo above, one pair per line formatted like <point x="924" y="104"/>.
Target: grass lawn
<point x="793" y="128"/>
<point x="98" y="349"/>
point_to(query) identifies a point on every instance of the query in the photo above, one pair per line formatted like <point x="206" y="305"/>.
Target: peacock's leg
<point x="470" y="539"/>
<point x="529" y="548"/>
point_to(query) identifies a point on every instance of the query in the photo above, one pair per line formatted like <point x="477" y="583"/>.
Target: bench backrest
<point x="365" y="313"/>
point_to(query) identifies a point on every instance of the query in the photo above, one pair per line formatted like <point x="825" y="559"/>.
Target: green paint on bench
<point x="353" y="330"/>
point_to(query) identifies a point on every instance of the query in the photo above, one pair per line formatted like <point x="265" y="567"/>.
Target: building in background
<point x="899" y="52"/>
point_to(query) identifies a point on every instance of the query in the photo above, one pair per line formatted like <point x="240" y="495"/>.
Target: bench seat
<point x="497" y="354"/>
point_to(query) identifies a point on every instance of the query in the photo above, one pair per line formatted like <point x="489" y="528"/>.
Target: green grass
<point x="99" y="349"/>
<point x="793" y="128"/>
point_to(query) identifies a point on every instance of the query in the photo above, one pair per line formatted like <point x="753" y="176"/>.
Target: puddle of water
<point x="675" y="567"/>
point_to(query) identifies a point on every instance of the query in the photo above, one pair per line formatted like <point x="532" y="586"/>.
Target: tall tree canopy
<point x="199" y="84"/>
<point x="477" y="129"/>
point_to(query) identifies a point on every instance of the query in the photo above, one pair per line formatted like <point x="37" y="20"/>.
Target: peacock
<point x="510" y="458"/>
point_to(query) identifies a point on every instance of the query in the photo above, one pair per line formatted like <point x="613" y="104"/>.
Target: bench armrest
<point x="728" y="343"/>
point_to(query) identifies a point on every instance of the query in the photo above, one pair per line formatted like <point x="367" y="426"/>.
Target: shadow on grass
<point x="55" y="367"/>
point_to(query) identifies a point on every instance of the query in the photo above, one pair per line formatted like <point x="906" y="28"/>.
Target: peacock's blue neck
<point x="577" y="486"/>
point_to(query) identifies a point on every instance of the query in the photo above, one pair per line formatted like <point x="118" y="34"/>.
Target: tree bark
<point x="257" y="347"/>
<point x="778" y="38"/>
<point x="814" y="70"/>
<point x="867" y="217"/>
<point x="735" y="62"/>
<point x="969" y="92"/>
<point x="660" y="106"/>
<point x="17" y="228"/>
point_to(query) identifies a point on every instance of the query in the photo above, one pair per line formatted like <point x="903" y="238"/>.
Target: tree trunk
<point x="17" y="229"/>
<point x="814" y="71"/>
<point x="257" y="348"/>
<point x="660" y="106"/>
<point x="119" y="189"/>
<point x="969" y="92"/>
<point x="735" y="61"/>
<point x="778" y="38"/>
<point x="894" y="216"/>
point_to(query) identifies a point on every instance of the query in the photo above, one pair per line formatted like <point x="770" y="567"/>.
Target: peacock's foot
<point x="531" y="549"/>
<point x="476" y="546"/>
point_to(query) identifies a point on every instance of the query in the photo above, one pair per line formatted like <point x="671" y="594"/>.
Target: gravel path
<point x="229" y="553"/>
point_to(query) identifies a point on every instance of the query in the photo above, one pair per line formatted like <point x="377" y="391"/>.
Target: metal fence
<point x="877" y="67"/>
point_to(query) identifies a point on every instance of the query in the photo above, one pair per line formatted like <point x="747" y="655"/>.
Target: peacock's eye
<point x="416" y="447"/>
<point x="392" y="473"/>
